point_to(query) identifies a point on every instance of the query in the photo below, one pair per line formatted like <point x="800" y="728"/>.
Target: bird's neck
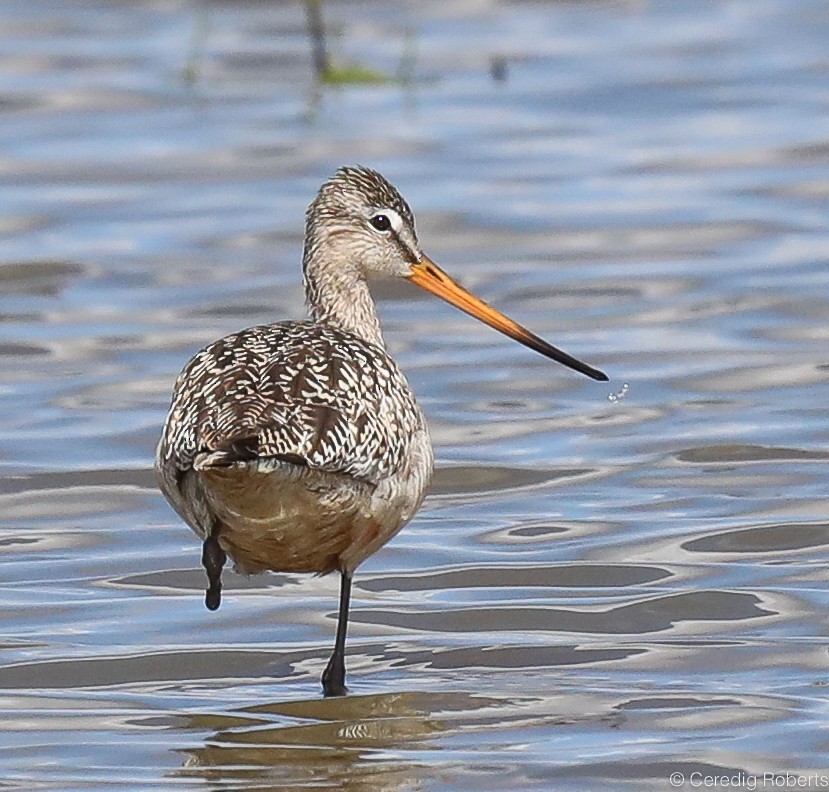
<point x="339" y="297"/>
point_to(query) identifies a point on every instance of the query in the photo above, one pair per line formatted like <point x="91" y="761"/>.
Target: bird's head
<point x="360" y="225"/>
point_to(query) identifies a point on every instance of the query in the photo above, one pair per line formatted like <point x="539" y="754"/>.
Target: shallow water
<point x="599" y="592"/>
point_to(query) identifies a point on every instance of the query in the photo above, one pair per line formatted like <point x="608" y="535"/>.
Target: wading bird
<point x="298" y="446"/>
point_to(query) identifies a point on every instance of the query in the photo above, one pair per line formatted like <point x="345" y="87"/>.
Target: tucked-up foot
<point x="213" y="559"/>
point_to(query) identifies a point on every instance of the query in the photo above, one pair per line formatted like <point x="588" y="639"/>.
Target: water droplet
<point x="620" y="394"/>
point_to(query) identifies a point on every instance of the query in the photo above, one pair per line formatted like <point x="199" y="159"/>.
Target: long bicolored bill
<point x="432" y="278"/>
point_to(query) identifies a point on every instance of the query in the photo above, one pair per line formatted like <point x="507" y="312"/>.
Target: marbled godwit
<point x="299" y="446"/>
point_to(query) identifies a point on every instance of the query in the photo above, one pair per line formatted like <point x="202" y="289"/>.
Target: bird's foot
<point x="333" y="678"/>
<point x="213" y="559"/>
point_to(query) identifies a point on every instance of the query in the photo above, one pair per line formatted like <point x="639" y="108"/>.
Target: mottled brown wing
<point x="294" y="392"/>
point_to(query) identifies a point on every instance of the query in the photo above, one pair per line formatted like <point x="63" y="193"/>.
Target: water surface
<point x="598" y="592"/>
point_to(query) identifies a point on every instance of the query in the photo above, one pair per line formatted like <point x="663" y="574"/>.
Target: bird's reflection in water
<point x="302" y="744"/>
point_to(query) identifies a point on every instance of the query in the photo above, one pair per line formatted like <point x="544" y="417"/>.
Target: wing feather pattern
<point x="294" y="392"/>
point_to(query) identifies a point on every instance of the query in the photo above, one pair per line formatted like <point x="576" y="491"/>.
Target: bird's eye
<point x="380" y="222"/>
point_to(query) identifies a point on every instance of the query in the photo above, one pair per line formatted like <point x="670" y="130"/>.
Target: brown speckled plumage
<point x="299" y="447"/>
<point x="298" y="403"/>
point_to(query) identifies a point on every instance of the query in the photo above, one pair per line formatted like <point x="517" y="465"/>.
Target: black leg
<point x="333" y="678"/>
<point x="213" y="559"/>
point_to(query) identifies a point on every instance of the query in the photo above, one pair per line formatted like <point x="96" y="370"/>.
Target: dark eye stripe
<point x="406" y="253"/>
